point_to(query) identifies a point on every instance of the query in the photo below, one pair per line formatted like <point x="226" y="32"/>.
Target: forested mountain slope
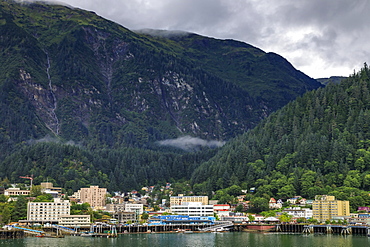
<point x="317" y="144"/>
<point x="70" y="76"/>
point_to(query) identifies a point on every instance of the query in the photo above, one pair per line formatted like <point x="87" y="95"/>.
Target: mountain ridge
<point x="76" y="76"/>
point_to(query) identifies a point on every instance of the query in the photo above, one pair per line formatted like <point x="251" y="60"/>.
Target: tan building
<point x="49" y="186"/>
<point x="94" y="195"/>
<point x="181" y="199"/>
<point x="124" y="217"/>
<point x="326" y="207"/>
<point x="16" y="192"/>
<point x="115" y="207"/>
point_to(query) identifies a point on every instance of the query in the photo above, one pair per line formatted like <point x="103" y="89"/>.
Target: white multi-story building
<point x="137" y="208"/>
<point x="299" y="212"/>
<point x="74" y="220"/>
<point x="44" y="212"/>
<point x="193" y="209"/>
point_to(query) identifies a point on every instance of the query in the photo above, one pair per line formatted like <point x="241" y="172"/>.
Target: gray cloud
<point x="50" y="139"/>
<point x="321" y="38"/>
<point x="189" y="143"/>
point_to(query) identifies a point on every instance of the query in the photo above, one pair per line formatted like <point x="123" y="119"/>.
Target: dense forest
<point x="317" y="144"/>
<point x="73" y="167"/>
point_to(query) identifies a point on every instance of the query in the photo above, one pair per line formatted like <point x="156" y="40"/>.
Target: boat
<point x="260" y="227"/>
<point x="87" y="234"/>
<point x="184" y="230"/>
<point x="221" y="230"/>
<point x="49" y="236"/>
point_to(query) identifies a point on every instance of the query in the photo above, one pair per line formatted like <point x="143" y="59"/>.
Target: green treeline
<point x="73" y="167"/>
<point x="317" y="144"/>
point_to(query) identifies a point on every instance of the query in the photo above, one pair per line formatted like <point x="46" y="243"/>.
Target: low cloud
<point x="50" y="139"/>
<point x="162" y="33"/>
<point x="321" y="38"/>
<point x="189" y="143"/>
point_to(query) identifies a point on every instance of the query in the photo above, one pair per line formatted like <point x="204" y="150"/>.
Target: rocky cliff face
<point x="95" y="82"/>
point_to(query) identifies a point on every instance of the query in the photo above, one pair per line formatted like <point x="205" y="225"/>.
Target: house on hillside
<point x="275" y="204"/>
<point x="294" y="200"/>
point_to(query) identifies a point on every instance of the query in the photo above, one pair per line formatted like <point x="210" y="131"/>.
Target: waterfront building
<point x="326" y="207"/>
<point x="193" y="209"/>
<point x="180" y="219"/>
<point x="124" y="217"/>
<point x="43" y="212"/>
<point x="235" y="218"/>
<point x="298" y="212"/>
<point x="362" y="218"/>
<point x="74" y="220"/>
<point x="94" y="195"/>
<point x="180" y="199"/>
<point x="221" y="209"/>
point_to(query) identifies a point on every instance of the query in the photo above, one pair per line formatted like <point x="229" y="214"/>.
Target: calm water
<point x="198" y="239"/>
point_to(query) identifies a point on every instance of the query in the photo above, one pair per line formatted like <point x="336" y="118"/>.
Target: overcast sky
<point x="322" y="38"/>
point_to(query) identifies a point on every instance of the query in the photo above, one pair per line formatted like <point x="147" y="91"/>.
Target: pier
<point x="113" y="230"/>
<point x="11" y="234"/>
<point x="324" y="229"/>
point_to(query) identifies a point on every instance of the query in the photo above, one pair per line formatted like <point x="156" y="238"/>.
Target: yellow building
<point x="181" y="199"/>
<point x="326" y="207"/>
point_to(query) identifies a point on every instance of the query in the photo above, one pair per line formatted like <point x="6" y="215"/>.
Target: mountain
<point x="317" y="144"/>
<point x="332" y="79"/>
<point x="77" y="76"/>
<point x="79" y="92"/>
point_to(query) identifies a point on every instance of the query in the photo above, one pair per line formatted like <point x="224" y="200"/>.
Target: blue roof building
<point x="180" y="219"/>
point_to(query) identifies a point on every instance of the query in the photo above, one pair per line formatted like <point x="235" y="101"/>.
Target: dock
<point x="114" y="230"/>
<point x="11" y="234"/>
<point x="324" y="229"/>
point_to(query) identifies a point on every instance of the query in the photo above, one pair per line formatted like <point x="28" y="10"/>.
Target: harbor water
<point x="197" y="239"/>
